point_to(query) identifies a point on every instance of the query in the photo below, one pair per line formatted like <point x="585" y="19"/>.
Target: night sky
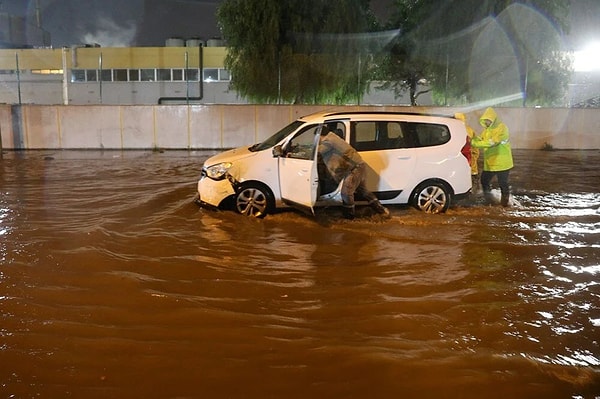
<point x="117" y="23"/>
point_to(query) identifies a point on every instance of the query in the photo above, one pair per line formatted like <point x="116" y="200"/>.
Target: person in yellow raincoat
<point x="473" y="152"/>
<point x="497" y="154"/>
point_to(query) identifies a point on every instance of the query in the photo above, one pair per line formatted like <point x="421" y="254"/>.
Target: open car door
<point x="298" y="173"/>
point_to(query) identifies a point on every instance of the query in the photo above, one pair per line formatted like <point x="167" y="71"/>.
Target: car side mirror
<point x="278" y="151"/>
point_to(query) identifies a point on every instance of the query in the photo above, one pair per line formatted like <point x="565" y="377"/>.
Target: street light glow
<point x="588" y="59"/>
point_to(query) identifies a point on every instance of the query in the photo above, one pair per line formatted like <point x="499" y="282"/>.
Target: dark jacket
<point x="339" y="156"/>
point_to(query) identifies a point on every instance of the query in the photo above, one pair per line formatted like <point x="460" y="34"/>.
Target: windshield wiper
<point x="253" y="147"/>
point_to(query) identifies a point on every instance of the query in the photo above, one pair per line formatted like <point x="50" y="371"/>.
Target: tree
<point x="295" y="51"/>
<point x="474" y="50"/>
<point x="397" y="69"/>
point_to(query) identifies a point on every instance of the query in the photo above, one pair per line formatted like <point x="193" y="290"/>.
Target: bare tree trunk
<point x="413" y="91"/>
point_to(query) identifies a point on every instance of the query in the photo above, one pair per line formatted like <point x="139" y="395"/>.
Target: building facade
<point x="120" y="75"/>
<point x="180" y="72"/>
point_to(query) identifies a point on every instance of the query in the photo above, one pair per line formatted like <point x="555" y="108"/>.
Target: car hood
<point x="229" y="156"/>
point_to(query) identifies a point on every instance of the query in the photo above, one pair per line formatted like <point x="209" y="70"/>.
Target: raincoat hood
<point x="489" y="115"/>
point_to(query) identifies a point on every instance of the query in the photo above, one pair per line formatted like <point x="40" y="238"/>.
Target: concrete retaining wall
<point x="227" y="126"/>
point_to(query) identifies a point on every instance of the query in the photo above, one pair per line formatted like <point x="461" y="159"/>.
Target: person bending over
<point x="344" y="163"/>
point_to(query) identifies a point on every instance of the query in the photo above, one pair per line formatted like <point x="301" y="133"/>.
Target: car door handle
<point x="404" y="157"/>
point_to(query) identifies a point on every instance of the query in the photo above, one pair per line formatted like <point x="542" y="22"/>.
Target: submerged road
<point x="114" y="284"/>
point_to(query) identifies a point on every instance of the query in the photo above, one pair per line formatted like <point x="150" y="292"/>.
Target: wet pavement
<point x="114" y="284"/>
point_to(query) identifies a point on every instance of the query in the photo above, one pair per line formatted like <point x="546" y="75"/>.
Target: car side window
<point x="425" y="134"/>
<point x="302" y="145"/>
<point x="394" y="135"/>
<point x="363" y="135"/>
<point x="388" y="135"/>
<point x="338" y="128"/>
<point x="377" y="135"/>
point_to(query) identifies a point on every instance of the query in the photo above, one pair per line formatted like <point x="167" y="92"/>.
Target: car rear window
<point x="386" y="135"/>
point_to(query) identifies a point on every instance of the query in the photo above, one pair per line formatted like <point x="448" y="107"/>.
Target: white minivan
<point x="411" y="158"/>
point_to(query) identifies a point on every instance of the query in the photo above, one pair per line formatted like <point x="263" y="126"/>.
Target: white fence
<point x="227" y="126"/>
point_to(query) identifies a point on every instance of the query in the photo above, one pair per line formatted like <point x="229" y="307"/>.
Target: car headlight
<point x="218" y="171"/>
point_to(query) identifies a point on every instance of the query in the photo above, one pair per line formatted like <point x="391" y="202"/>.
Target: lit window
<point x="46" y="71"/>
<point x="211" y="75"/>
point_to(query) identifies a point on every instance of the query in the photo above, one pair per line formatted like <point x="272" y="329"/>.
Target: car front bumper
<point x="213" y="192"/>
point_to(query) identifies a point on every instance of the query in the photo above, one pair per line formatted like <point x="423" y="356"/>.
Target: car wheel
<point x="254" y="200"/>
<point x="432" y="197"/>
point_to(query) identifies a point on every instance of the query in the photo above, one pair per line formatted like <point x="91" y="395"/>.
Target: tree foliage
<point x="465" y="51"/>
<point x="505" y="51"/>
<point x="296" y="51"/>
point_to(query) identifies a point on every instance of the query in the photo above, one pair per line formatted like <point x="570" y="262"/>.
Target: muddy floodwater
<point x="114" y="284"/>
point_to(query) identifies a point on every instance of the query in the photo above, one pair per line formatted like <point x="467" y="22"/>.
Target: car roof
<point x="324" y="115"/>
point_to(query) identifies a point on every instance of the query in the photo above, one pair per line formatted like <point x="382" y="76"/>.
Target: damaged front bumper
<point x="213" y="192"/>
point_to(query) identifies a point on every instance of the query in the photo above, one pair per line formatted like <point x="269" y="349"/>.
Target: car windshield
<point x="277" y="137"/>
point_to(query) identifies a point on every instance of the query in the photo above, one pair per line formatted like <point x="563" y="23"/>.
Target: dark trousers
<point x="355" y="183"/>
<point x="502" y="176"/>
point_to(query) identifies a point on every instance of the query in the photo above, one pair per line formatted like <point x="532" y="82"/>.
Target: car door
<point x="298" y="174"/>
<point x="390" y="161"/>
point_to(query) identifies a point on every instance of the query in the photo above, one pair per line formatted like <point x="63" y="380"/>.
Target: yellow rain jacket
<point x="497" y="155"/>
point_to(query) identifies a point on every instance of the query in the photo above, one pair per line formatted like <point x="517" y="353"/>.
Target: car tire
<point x="254" y="200"/>
<point x="432" y="197"/>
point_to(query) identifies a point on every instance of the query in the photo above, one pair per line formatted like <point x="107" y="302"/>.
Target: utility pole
<point x="18" y="76"/>
<point x="65" y="83"/>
